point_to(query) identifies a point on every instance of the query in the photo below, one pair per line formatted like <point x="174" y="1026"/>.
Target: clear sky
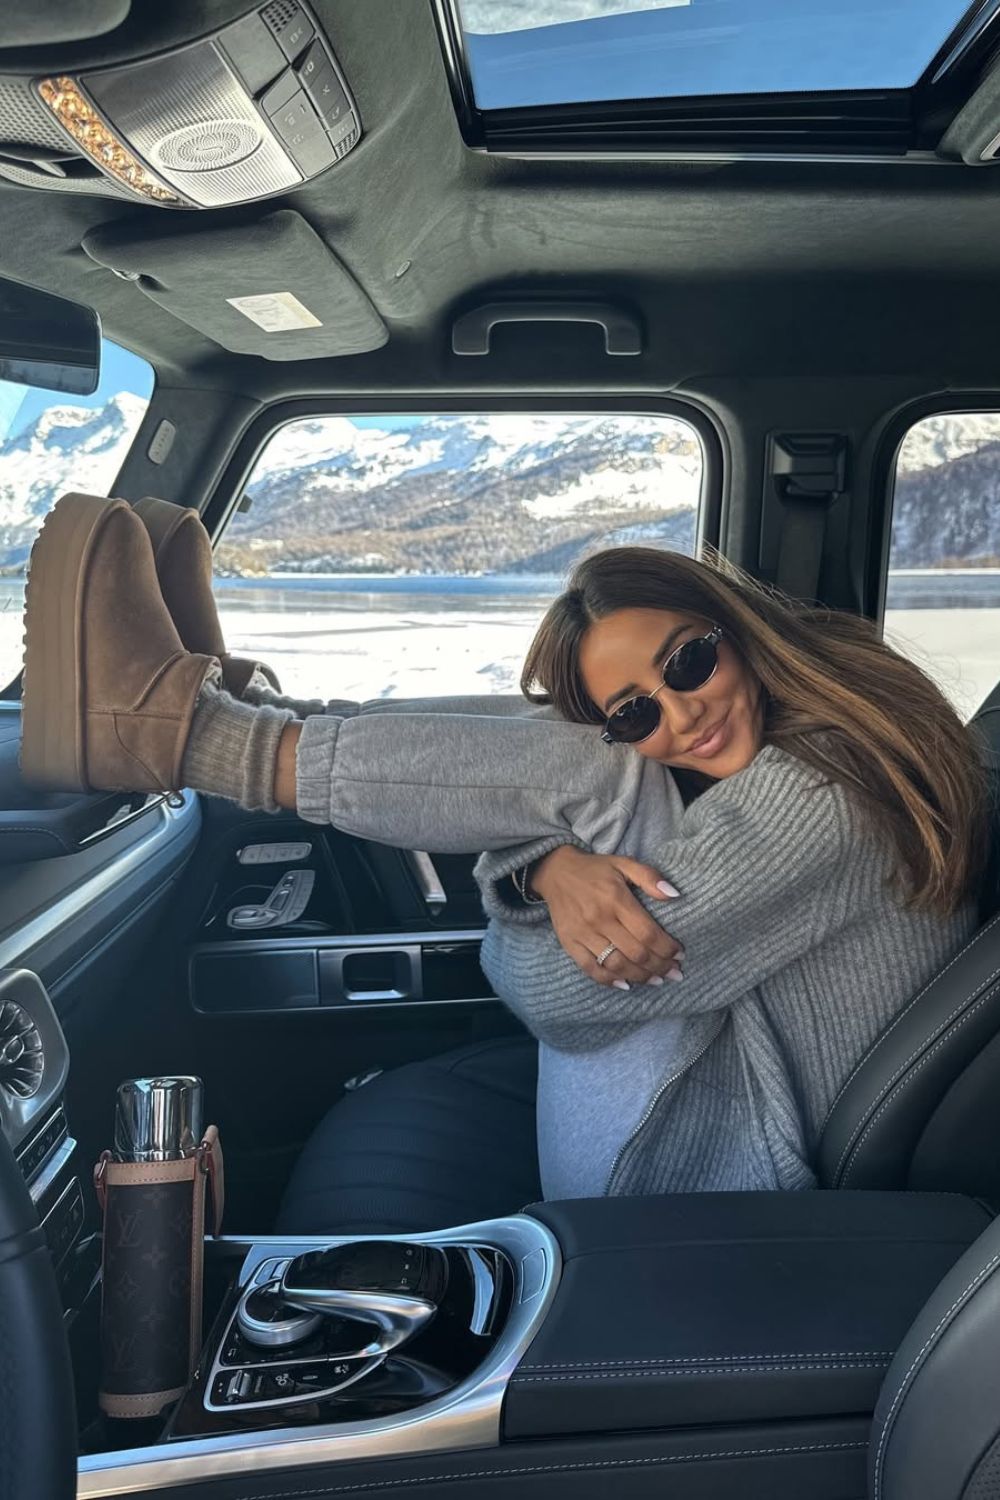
<point x="120" y="371"/>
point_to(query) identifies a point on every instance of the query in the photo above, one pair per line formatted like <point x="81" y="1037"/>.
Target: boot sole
<point x="53" y="752"/>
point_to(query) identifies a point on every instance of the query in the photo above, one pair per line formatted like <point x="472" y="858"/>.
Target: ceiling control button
<point x="292" y="28"/>
<point x="299" y="128"/>
<point x="327" y="93"/>
<point x="279" y="94"/>
<point x="314" y="62"/>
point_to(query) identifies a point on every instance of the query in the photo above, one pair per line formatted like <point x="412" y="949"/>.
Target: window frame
<point x="228" y="491"/>
<point x="883" y="488"/>
<point x="870" y="125"/>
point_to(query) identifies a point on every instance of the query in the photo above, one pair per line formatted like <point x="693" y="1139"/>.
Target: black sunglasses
<point x="687" y="668"/>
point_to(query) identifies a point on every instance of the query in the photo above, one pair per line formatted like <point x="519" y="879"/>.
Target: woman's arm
<point x="460" y="783"/>
<point x="761" y="862"/>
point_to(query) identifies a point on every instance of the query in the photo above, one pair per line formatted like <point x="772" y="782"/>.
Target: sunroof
<point x="524" y="53"/>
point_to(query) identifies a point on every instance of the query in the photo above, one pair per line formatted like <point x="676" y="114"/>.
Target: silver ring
<point x="603" y="957"/>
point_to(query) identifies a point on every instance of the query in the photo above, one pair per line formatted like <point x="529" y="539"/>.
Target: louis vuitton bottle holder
<point x="152" y="1188"/>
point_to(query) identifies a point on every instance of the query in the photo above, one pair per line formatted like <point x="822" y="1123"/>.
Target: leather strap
<point x="210" y="1158"/>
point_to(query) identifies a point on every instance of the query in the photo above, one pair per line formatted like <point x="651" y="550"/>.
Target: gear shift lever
<point x="394" y="1285"/>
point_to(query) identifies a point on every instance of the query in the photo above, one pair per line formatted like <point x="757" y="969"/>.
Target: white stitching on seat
<point x="725" y="1359"/>
<point x="976" y="937"/>
<point x="568" y="1468"/>
<point x="918" y="1360"/>
<point x="942" y="1032"/>
<point x="529" y="1379"/>
<point x="904" y="1083"/>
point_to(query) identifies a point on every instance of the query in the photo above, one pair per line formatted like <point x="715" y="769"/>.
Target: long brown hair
<point x="834" y="695"/>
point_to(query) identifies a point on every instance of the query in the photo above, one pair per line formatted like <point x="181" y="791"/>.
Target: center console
<point x="736" y="1343"/>
<point x="620" y="1335"/>
<point x="346" y="1349"/>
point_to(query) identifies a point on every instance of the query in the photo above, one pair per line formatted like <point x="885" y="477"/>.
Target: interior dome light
<point x="86" y="129"/>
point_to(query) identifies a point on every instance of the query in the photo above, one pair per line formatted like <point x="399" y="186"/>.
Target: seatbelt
<point x="808" y="472"/>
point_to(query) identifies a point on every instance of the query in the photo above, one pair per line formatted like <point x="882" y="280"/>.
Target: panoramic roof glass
<point x="537" y="52"/>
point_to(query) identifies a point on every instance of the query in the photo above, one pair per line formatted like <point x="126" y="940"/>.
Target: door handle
<point x="394" y="973"/>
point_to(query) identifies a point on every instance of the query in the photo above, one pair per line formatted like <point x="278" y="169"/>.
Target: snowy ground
<point x="959" y="648"/>
<point x="367" y="646"/>
<point x="420" y="653"/>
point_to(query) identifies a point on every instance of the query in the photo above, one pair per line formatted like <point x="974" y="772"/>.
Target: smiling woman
<point x="821" y="870"/>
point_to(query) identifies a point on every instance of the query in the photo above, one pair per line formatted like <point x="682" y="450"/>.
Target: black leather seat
<point x="445" y="1141"/>
<point x="936" y="1434"/>
<point x="451" y="1140"/>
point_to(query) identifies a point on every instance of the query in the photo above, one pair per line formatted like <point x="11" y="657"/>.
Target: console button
<point x="292" y="29"/>
<point x="235" y="1388"/>
<point x="299" y="127"/>
<point x="327" y="93"/>
<point x="312" y="65"/>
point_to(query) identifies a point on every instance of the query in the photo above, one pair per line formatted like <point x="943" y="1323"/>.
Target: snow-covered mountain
<point x="66" y="448"/>
<point x="464" y="493"/>
<point x="940" y="440"/>
<point x="475" y="493"/>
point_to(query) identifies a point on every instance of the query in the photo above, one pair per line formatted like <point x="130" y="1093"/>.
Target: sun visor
<point x="272" y="288"/>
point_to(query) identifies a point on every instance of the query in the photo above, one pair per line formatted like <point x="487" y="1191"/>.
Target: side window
<point x="51" y="443"/>
<point x="943" y="601"/>
<point x="413" y="555"/>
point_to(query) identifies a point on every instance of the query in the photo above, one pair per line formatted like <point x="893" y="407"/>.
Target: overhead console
<point x="254" y="109"/>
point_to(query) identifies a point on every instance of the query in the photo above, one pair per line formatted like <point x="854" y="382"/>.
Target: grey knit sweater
<point x="797" y="951"/>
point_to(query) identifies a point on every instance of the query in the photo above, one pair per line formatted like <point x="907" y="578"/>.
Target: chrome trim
<point x="466" y="1417"/>
<point x="430" y="883"/>
<point x="397" y="1318"/>
<point x="117" y="822"/>
<point x="75" y="903"/>
<point x="20" y="1118"/>
<point x="51" y="1170"/>
<point x="289" y="1332"/>
<point x="484" y="1290"/>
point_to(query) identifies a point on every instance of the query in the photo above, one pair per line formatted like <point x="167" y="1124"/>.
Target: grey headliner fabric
<point x="194" y="271"/>
<point x="780" y="268"/>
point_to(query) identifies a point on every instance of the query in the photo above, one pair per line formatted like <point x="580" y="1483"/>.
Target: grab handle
<point x="472" y="332"/>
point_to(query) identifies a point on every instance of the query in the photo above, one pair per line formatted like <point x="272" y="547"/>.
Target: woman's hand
<point x="591" y="905"/>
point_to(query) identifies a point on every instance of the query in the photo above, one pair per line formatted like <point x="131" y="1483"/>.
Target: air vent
<point x="21" y="1057"/>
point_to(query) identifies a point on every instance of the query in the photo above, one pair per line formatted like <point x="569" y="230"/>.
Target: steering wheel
<point x="37" y="1409"/>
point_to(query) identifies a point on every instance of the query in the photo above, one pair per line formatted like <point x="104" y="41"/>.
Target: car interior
<point x="414" y="301"/>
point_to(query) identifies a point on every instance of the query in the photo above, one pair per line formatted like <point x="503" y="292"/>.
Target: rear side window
<point x="414" y="555"/>
<point x="943" y="600"/>
<point x="51" y="443"/>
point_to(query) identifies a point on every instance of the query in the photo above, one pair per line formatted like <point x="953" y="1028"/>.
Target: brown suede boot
<point x="109" y="691"/>
<point x="183" y="555"/>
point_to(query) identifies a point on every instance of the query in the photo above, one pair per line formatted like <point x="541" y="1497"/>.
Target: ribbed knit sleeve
<point x="761" y="862"/>
<point x="460" y="783"/>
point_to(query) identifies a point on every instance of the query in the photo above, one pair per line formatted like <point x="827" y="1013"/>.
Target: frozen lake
<point x="417" y="637"/>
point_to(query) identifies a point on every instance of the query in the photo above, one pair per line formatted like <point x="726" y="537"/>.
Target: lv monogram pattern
<point x="146" y="1322"/>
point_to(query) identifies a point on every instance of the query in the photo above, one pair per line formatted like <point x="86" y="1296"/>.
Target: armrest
<point x="695" y="1309"/>
<point x="43" y="825"/>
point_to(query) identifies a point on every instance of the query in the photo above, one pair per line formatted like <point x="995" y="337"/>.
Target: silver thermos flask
<point x="152" y="1189"/>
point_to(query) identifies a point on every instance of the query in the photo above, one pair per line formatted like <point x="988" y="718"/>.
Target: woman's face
<point x="715" y="729"/>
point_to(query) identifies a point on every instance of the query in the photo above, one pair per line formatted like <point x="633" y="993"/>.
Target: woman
<point x="806" y="793"/>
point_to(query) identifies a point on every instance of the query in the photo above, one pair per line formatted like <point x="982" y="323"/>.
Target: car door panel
<point x="278" y="1024"/>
